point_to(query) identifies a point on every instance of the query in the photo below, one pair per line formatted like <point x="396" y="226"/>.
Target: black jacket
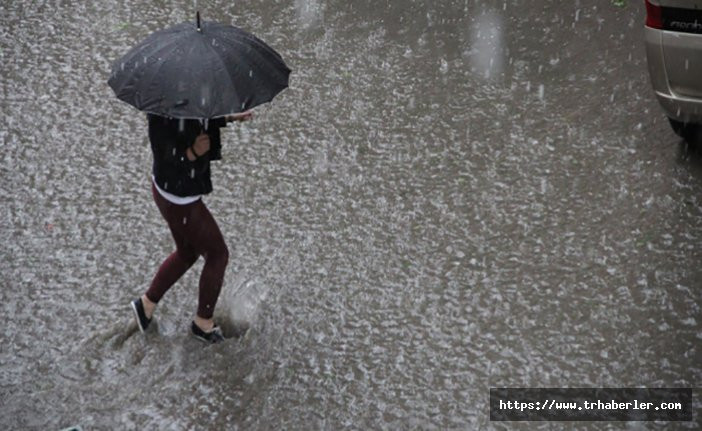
<point x="170" y="138"/>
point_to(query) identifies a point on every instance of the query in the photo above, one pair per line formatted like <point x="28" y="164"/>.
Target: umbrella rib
<point x="258" y="42"/>
<point x="224" y="68"/>
<point x="128" y="81"/>
<point x="261" y="60"/>
<point x="159" y="67"/>
<point x="262" y="47"/>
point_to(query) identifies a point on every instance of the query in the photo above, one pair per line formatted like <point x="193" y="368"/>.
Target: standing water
<point x="411" y="223"/>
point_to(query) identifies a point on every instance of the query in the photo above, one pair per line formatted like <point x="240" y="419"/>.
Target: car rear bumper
<point x="684" y="108"/>
<point x="680" y="108"/>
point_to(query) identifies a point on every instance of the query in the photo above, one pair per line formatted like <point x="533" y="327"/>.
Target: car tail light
<point x="654" y="19"/>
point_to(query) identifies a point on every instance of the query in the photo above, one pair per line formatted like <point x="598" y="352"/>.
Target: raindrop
<point x="541" y="91"/>
<point x="214" y="42"/>
<point x="192" y="173"/>
<point x="443" y="67"/>
<point x="202" y="101"/>
<point x="144" y="59"/>
<point x="243" y="104"/>
<point x="181" y="127"/>
<point x="165" y="186"/>
<point x="250" y="73"/>
<point x="174" y="151"/>
<point x="122" y="66"/>
<point x="687" y="64"/>
<point x="577" y="15"/>
<point x="185" y="220"/>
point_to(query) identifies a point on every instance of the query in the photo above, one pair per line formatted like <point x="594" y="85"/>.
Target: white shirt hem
<point x="178" y="200"/>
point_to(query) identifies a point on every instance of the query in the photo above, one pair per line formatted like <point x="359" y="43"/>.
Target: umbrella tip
<point x="197" y="14"/>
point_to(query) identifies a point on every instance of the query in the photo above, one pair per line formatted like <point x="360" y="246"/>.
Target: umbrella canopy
<point x="199" y="70"/>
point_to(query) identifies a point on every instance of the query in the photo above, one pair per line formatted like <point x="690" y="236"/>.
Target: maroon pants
<point x="196" y="234"/>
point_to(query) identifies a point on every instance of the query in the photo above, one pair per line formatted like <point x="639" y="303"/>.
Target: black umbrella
<point x="199" y="70"/>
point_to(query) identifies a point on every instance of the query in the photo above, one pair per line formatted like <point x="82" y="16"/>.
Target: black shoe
<point x="140" y="315"/>
<point x="213" y="336"/>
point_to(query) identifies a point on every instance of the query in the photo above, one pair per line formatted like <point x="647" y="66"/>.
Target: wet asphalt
<point x="451" y="196"/>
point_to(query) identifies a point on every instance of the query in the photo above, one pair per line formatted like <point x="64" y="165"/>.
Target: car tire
<point x="687" y="131"/>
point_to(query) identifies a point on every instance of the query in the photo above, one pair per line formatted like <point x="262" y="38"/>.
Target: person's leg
<point x="175" y="265"/>
<point x="207" y="239"/>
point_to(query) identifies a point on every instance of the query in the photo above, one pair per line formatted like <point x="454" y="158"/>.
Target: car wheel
<point x="678" y="127"/>
<point x="688" y="131"/>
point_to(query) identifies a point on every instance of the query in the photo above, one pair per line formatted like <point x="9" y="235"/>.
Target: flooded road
<point x="451" y="196"/>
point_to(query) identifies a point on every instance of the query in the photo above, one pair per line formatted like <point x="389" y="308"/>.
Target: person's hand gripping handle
<point x="200" y="147"/>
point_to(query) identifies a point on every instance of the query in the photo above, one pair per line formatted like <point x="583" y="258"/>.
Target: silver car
<point x="673" y="35"/>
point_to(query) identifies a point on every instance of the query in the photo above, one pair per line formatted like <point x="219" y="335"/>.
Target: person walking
<point x="188" y="78"/>
<point x="182" y="151"/>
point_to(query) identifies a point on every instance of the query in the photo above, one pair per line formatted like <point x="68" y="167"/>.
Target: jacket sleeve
<point x="167" y="148"/>
<point x="218" y="122"/>
<point x="215" y="139"/>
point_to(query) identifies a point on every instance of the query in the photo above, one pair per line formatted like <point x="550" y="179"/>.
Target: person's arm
<point x="199" y="148"/>
<point x="190" y="154"/>
<point x="241" y="116"/>
<point x="163" y="135"/>
<point x="213" y="127"/>
<point x="216" y="123"/>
